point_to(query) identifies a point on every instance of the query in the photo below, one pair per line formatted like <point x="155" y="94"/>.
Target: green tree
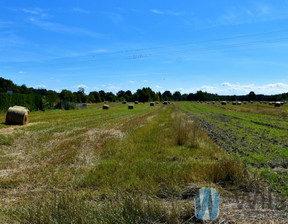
<point x="102" y="95"/>
<point x="177" y="96"/>
<point x="96" y="96"/>
<point x="252" y="96"/>
<point x="109" y="96"/>
<point x="167" y="95"/>
<point x="66" y="95"/>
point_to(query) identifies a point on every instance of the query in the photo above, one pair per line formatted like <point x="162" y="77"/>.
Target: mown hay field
<point x="116" y="166"/>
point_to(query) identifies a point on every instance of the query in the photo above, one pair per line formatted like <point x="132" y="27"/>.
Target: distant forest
<point x="50" y="98"/>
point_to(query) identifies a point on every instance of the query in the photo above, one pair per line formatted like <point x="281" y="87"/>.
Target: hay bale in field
<point x="136" y="102"/>
<point x="105" y="107"/>
<point x="157" y="102"/>
<point x="277" y="104"/>
<point x="152" y="103"/>
<point x="124" y="102"/>
<point x="165" y="102"/>
<point x="22" y="108"/>
<point x="130" y="106"/>
<point x="239" y="103"/>
<point x="234" y="103"/>
<point x="81" y="105"/>
<point x="17" y="115"/>
<point x="223" y="102"/>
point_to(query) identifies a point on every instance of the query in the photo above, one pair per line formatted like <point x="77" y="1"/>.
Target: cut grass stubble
<point x="151" y="166"/>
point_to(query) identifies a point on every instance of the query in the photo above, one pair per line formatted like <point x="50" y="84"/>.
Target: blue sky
<point x="224" y="47"/>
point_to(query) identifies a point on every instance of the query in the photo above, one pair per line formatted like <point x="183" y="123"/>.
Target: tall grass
<point x="187" y="131"/>
<point x="69" y="207"/>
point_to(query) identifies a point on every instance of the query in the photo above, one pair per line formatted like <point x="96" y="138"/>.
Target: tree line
<point x="50" y="98"/>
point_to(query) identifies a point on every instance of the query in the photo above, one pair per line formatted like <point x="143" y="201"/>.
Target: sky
<point x="224" y="46"/>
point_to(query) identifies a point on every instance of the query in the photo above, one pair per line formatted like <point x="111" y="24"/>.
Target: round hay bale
<point x="22" y="108"/>
<point x="223" y="102"/>
<point x="130" y="106"/>
<point x="157" y="102"/>
<point x="105" y="107"/>
<point x="136" y="102"/>
<point x="165" y="102"/>
<point x="152" y="103"/>
<point x="17" y="116"/>
<point x="277" y="104"/>
<point x="124" y="102"/>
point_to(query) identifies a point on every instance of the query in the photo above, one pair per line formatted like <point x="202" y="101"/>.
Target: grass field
<point x="131" y="166"/>
<point x="256" y="133"/>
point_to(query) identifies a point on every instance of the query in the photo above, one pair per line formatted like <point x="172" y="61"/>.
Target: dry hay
<point x="130" y="106"/>
<point x="105" y="107"/>
<point x="22" y="108"/>
<point x="11" y="130"/>
<point x="277" y="104"/>
<point x="17" y="115"/>
<point x="81" y="105"/>
<point x="108" y="133"/>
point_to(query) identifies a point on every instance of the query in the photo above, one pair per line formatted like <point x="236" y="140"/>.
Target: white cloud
<point x="131" y="81"/>
<point x="81" y="10"/>
<point x="35" y="11"/>
<point x="113" y="88"/>
<point x="166" y="12"/>
<point x="263" y="9"/>
<point x="21" y="72"/>
<point x="82" y="86"/>
<point x="155" y="11"/>
<point x="159" y="87"/>
<point x="145" y="81"/>
<point x="41" y="86"/>
<point x="99" y="51"/>
<point x="227" y="88"/>
<point x="55" y="27"/>
<point x="257" y="12"/>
